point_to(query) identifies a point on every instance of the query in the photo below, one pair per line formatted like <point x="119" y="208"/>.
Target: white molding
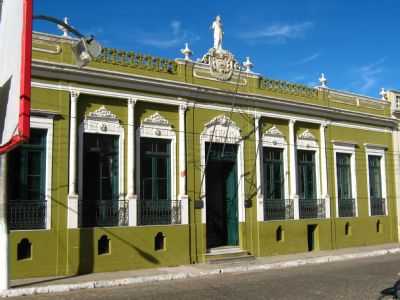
<point x="131" y="197"/>
<point x="157" y="127"/>
<point x="274" y="138"/>
<point x="182" y="164"/>
<point x="344" y="143"/>
<point x="47" y="124"/>
<point x="106" y="93"/>
<point x="72" y="199"/>
<point x="396" y="168"/>
<point x="226" y="108"/>
<point x="259" y="180"/>
<point x="293" y="169"/>
<point x="347" y="149"/>
<point x="362" y="127"/>
<point x="222" y="129"/>
<point x="280" y="103"/>
<point x="102" y="121"/>
<point x="377" y="150"/>
<point x="324" y="171"/>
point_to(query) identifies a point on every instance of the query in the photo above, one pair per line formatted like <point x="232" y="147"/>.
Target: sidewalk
<point x="107" y="280"/>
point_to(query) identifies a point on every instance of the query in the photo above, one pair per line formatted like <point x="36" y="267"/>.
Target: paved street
<point x="356" y="279"/>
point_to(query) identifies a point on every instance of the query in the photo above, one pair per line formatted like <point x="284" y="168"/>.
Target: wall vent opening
<point x="280" y="234"/>
<point x="103" y="245"/>
<point x="379" y="226"/>
<point x="24" y="250"/>
<point x="159" y="242"/>
<point x="347" y="229"/>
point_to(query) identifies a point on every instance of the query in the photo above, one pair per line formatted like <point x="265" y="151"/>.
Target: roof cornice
<point x="112" y="79"/>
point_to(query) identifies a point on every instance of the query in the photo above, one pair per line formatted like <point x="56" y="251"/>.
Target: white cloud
<point x="307" y="59"/>
<point x="369" y="75"/>
<point x="175" y="37"/>
<point x="279" y="32"/>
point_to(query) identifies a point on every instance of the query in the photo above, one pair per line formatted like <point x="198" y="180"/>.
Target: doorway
<point x="221" y="194"/>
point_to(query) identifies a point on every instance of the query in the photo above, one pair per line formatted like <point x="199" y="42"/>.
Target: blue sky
<point x="354" y="42"/>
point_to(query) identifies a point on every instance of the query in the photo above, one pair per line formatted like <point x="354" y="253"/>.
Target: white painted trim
<point x="226" y="108"/>
<point x="72" y="199"/>
<point x="293" y="170"/>
<point x="324" y="171"/>
<point x="131" y="197"/>
<point x="362" y="127"/>
<point x="157" y="127"/>
<point x="348" y="149"/>
<point x="223" y="130"/>
<point x="183" y="197"/>
<point x="106" y="126"/>
<point x="273" y="138"/>
<point x="259" y="183"/>
<point x="105" y="93"/>
<point x="377" y="150"/>
<point x="396" y="175"/>
<point x="47" y="124"/>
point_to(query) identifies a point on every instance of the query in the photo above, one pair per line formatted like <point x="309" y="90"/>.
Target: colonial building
<point x="137" y="161"/>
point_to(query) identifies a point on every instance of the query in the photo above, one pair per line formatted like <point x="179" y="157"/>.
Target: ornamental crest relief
<point x="222" y="64"/>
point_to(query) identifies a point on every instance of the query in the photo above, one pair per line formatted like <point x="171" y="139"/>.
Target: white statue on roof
<point x="218" y="33"/>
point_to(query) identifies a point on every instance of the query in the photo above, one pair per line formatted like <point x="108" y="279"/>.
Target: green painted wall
<point x="62" y="251"/>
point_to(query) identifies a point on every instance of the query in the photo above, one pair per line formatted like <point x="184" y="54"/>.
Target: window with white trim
<point x="346" y="187"/>
<point x="29" y="179"/>
<point x="376" y="177"/>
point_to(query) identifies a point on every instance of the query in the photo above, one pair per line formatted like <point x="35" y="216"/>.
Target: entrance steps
<point x="228" y="254"/>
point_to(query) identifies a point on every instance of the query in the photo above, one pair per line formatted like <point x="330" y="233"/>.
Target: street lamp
<point x="85" y="50"/>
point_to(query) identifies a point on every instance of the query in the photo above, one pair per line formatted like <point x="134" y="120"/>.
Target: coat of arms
<point x="222" y="63"/>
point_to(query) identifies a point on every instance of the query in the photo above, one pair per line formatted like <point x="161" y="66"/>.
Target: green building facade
<point x="141" y="162"/>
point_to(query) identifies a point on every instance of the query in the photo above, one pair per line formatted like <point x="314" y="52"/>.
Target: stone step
<point x="223" y="255"/>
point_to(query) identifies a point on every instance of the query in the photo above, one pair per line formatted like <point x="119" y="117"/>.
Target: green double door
<point x="222" y="196"/>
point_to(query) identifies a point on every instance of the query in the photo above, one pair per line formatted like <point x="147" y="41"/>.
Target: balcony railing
<point x="312" y="208"/>
<point x="26" y="215"/>
<point x="161" y="212"/>
<point x="378" y="207"/>
<point x="347" y="208"/>
<point x="278" y="209"/>
<point x="103" y="213"/>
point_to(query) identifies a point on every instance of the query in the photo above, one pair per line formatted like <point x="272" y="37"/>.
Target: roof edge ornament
<point x="222" y="62"/>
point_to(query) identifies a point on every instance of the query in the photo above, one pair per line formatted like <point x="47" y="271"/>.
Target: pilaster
<point x="131" y="197"/>
<point x="260" y="198"/>
<point x="293" y="169"/>
<point x="324" y="171"/>
<point x="183" y="197"/>
<point x="73" y="197"/>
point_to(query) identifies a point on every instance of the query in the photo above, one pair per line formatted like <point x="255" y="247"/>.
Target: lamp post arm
<point x="61" y="23"/>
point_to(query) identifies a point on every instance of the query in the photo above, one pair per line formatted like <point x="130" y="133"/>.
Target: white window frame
<point x="346" y="148"/>
<point x="222" y="129"/>
<point x="307" y="141"/>
<point x="102" y="121"/>
<point x="46" y="124"/>
<point x="377" y="150"/>
<point x="156" y="127"/>
<point x="274" y="138"/>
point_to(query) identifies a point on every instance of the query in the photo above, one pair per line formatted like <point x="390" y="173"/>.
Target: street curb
<point x="62" y="288"/>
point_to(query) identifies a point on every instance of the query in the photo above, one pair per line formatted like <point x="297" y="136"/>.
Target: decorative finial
<point x="63" y="29"/>
<point x="248" y="64"/>
<point x="187" y="52"/>
<point x="323" y="81"/>
<point x="383" y="94"/>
